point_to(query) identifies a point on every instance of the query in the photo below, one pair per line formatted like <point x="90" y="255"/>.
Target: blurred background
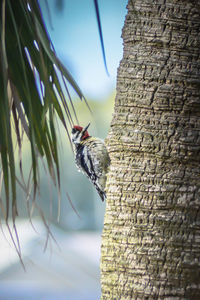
<point x="69" y="266"/>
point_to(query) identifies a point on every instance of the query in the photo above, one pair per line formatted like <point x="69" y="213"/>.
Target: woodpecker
<point x="91" y="157"/>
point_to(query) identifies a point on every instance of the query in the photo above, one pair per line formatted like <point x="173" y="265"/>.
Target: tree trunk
<point x="151" y="236"/>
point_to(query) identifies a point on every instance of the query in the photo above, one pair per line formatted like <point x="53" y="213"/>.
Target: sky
<point x="74" y="33"/>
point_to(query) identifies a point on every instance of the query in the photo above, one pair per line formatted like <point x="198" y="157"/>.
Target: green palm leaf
<point x="31" y="95"/>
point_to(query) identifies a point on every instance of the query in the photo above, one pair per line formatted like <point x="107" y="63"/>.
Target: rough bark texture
<point x="151" y="237"/>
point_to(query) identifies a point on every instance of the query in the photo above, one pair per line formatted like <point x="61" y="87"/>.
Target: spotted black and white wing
<point x="92" y="158"/>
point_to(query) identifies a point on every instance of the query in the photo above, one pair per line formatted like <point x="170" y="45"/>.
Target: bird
<point x="91" y="157"/>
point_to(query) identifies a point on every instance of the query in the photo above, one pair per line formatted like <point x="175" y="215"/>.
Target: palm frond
<point x="32" y="96"/>
<point x="100" y="34"/>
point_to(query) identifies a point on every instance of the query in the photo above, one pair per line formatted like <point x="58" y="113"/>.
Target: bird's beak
<point x="86" y="128"/>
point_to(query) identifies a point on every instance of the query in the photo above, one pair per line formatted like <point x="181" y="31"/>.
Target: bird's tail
<point x="101" y="193"/>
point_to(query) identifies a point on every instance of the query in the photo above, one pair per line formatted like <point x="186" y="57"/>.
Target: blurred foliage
<point x="59" y="4"/>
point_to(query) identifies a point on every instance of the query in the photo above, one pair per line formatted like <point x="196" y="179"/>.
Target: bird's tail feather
<point x="101" y="193"/>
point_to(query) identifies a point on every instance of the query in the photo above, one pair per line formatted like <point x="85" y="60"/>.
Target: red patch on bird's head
<point x="79" y="128"/>
<point x="85" y="133"/>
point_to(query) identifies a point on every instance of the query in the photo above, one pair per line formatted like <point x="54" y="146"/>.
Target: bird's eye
<point x="73" y="130"/>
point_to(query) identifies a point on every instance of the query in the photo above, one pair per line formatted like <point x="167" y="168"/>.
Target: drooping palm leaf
<point x="31" y="94"/>
<point x="100" y="34"/>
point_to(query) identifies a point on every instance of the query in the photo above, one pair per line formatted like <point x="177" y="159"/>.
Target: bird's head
<point x="79" y="134"/>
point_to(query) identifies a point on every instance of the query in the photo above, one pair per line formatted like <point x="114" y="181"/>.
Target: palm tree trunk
<point x="151" y="236"/>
